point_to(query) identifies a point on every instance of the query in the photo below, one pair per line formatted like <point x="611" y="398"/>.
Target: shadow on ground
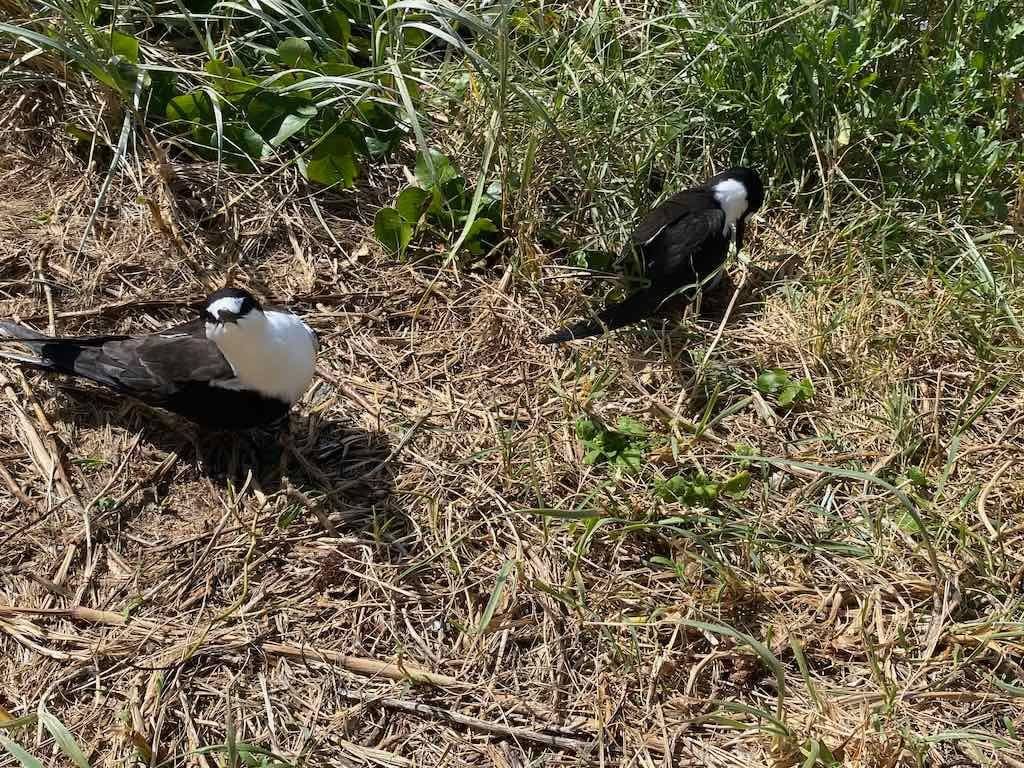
<point x="343" y="474"/>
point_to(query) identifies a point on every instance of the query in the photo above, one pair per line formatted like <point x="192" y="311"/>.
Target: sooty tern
<point x="237" y="366"/>
<point x="683" y="244"/>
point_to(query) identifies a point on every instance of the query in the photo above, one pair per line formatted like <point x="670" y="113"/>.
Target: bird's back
<point x="683" y="239"/>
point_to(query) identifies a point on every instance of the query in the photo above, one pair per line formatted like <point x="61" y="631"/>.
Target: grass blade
<point x="18" y="753"/>
<point x="62" y="736"/>
<point x="495" y="599"/>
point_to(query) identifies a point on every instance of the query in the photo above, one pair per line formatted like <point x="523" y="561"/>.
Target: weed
<point x="624" y="447"/>
<point x="783" y="388"/>
<point x="442" y="204"/>
<point x="700" y="491"/>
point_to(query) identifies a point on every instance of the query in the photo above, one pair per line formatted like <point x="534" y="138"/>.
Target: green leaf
<point x="806" y="389"/>
<point x="125" y="46"/>
<point x="295" y="52"/>
<point x="336" y="24"/>
<point x="473" y="238"/>
<point x="333" y="162"/>
<point x="788" y="394"/>
<point x="495" y="599"/>
<point x="917" y="477"/>
<point x="18" y="753"/>
<point x="630" y="426"/>
<point x="410" y="204"/>
<point x="228" y="79"/>
<point x="737" y="485"/>
<point x="772" y="381"/>
<point x="292" y="124"/>
<point x="240" y="138"/>
<point x="433" y="169"/>
<point x="62" y="736"/>
<point x="631" y="458"/>
<point x="389" y="229"/>
<point x="586" y="429"/>
<point x="194" y="107"/>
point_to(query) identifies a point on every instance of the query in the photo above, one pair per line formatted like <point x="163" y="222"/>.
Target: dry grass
<point x="170" y="597"/>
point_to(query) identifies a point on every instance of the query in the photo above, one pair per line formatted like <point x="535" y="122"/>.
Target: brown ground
<point x="376" y="590"/>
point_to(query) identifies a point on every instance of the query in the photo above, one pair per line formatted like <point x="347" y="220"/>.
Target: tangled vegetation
<point x="781" y="528"/>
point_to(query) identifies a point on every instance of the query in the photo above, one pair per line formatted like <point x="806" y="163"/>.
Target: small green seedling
<point x="624" y="447"/>
<point x="787" y="392"/>
<point x="701" y="491"/>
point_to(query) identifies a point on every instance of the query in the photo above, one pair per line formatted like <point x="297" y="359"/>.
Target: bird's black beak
<point x="740" y="226"/>
<point x="227" y="316"/>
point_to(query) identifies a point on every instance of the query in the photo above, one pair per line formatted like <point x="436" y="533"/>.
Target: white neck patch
<point x="273" y="353"/>
<point x="732" y="196"/>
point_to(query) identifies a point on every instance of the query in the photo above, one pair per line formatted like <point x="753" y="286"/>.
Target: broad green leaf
<point x="240" y="138"/>
<point x="586" y="429"/>
<point x="389" y="229"/>
<point x="124" y="45"/>
<point x="295" y="52"/>
<point x="631" y="458"/>
<point x="337" y="25"/>
<point x="789" y="394"/>
<point x="410" y="203"/>
<point x="193" y="107"/>
<point x="772" y="381"/>
<point x="433" y="169"/>
<point x="917" y="477"/>
<point x="737" y="485"/>
<point x="472" y="239"/>
<point x="333" y="162"/>
<point x="806" y="389"/>
<point x="627" y="425"/>
<point x="292" y="124"/>
<point x="266" y="110"/>
<point x="228" y="79"/>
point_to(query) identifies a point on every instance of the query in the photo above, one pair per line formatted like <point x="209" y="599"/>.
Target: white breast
<point x="273" y="353"/>
<point x="731" y="195"/>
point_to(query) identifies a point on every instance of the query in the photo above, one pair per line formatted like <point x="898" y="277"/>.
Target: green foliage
<point x="701" y="491"/>
<point x="623" y="447"/>
<point x="289" y="90"/>
<point x="786" y="391"/>
<point x="441" y="203"/>
<point x="913" y="98"/>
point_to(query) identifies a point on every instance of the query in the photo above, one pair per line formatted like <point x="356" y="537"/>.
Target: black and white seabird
<point x="237" y="366"/>
<point x="683" y="244"/>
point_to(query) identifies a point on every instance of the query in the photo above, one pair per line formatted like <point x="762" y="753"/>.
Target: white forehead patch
<point x="230" y="303"/>
<point x="731" y="194"/>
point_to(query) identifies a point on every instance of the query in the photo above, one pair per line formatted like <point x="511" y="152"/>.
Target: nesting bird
<point x="683" y="244"/>
<point x="235" y="367"/>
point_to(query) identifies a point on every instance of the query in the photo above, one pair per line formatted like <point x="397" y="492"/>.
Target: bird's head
<point x="230" y="307"/>
<point x="740" y="193"/>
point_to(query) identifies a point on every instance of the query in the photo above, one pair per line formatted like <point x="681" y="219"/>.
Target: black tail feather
<point x="70" y="356"/>
<point x="631" y="310"/>
<point x="17" y="333"/>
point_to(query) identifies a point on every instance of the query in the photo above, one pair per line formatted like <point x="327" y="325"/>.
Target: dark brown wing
<point x="689" y="249"/>
<point x="678" y="206"/>
<point x="152" y="368"/>
<point x="161" y="364"/>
